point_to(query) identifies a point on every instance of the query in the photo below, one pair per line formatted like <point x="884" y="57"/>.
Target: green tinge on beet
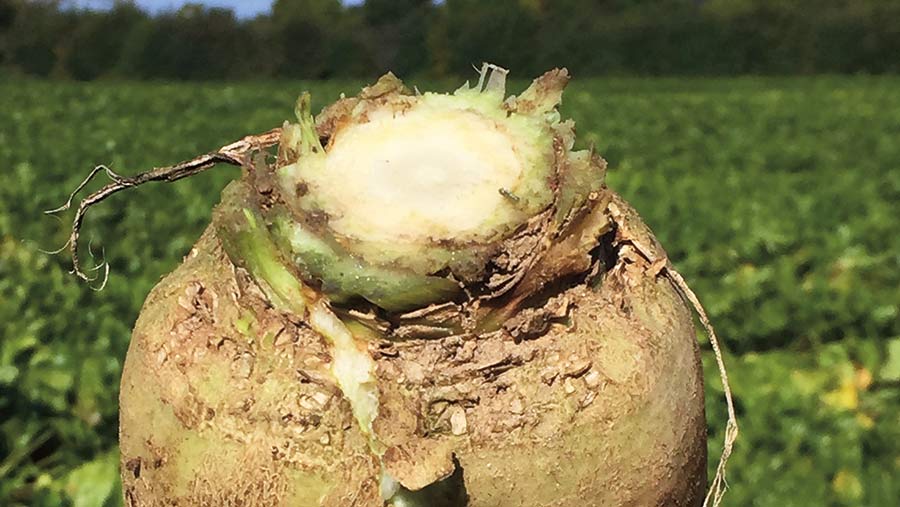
<point x="343" y="277"/>
<point x="262" y="250"/>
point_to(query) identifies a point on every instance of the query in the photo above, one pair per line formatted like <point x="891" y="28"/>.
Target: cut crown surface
<point x="424" y="174"/>
<point x="407" y="199"/>
<point x="410" y="180"/>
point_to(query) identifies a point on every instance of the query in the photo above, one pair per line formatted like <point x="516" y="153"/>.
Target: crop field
<point x="777" y="199"/>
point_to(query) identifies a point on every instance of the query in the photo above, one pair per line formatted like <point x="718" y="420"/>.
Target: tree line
<point x="317" y="39"/>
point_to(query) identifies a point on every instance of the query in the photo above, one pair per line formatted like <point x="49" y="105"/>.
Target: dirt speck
<point x="458" y="423"/>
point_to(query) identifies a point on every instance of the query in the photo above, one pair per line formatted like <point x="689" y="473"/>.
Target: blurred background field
<point x="778" y="198"/>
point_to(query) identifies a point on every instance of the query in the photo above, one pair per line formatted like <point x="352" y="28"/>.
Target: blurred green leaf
<point x="91" y="484"/>
<point x="891" y="369"/>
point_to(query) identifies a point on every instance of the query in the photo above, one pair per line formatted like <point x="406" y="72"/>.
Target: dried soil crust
<point x="227" y="402"/>
<point x="609" y="405"/>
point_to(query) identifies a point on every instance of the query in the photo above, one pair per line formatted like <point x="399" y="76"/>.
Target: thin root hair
<point x="234" y="154"/>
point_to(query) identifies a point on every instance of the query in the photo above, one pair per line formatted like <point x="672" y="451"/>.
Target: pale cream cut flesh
<point x="447" y="184"/>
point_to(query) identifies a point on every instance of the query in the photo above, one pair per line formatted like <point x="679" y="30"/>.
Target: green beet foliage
<point x="777" y="199"/>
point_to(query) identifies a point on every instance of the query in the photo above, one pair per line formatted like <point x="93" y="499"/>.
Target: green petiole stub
<point x="248" y="243"/>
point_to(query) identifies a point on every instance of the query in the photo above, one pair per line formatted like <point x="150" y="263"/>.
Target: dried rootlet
<point x="419" y="300"/>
